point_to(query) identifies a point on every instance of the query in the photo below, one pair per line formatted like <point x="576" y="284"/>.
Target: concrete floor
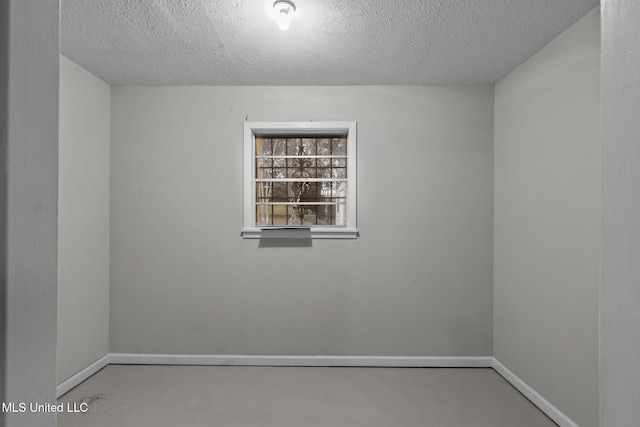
<point x="231" y="396"/>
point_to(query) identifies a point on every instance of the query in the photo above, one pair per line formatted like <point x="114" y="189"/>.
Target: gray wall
<point x="619" y="112"/>
<point x="620" y="294"/>
<point x="83" y="219"/>
<point x="547" y="221"/>
<point x="418" y="282"/>
<point x="28" y="201"/>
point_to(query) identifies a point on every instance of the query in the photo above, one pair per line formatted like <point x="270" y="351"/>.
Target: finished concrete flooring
<point x="233" y="396"/>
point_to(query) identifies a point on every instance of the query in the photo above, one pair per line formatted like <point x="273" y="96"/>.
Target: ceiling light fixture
<point x="284" y="10"/>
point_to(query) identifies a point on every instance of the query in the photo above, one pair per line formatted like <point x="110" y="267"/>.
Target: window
<point x="300" y="176"/>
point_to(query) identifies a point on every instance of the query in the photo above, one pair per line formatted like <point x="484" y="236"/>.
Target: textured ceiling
<point x="330" y="42"/>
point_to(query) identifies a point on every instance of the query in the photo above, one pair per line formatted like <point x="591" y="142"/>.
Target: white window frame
<point x="253" y="129"/>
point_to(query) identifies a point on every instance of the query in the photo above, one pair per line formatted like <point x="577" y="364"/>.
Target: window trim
<point x="253" y="129"/>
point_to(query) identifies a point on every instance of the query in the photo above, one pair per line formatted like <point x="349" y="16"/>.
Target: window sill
<point x="299" y="233"/>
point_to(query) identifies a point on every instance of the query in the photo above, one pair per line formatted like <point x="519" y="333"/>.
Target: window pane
<point x="339" y="172"/>
<point x="280" y="192"/>
<point x="263" y="146"/>
<point x="264" y="172"/>
<point x="324" y="146"/>
<point x="321" y="173"/>
<point x="339" y="147"/>
<point x="339" y="189"/>
<point x="293" y="146"/>
<point x="300" y="215"/>
<point x="309" y="146"/>
<point x="301" y="203"/>
<point x="279" y="149"/>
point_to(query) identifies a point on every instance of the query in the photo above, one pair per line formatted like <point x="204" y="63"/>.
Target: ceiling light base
<point x="284" y="10"/>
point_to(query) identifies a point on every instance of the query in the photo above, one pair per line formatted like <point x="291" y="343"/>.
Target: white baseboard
<point x="333" y="361"/>
<point x="543" y="404"/>
<point x="76" y="379"/>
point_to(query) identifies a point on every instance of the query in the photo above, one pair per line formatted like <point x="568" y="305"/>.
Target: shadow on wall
<point x="285" y="243"/>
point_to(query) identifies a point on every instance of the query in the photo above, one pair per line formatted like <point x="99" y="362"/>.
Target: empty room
<point x="336" y="213"/>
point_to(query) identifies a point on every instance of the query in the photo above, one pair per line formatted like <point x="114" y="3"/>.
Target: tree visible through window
<point x="300" y="175"/>
<point x="301" y="181"/>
